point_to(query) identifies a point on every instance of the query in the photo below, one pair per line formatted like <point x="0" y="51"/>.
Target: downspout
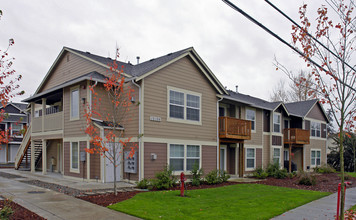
<point x="217" y="134"/>
<point x="139" y="128"/>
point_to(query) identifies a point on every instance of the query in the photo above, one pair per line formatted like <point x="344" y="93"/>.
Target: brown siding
<point x="65" y="71"/>
<point x="231" y="160"/>
<point x="127" y="148"/>
<point x="276" y="140"/>
<point x="316" y="113"/>
<point x="182" y="74"/>
<point x="258" y="157"/>
<point x="82" y="166"/>
<point x="208" y="158"/>
<point x="94" y="165"/>
<point x="154" y="166"/>
<point x="266" y="121"/>
<point x="266" y="150"/>
<point x="307" y="125"/>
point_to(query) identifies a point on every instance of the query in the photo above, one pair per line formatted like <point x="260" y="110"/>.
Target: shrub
<point x="196" y="173"/>
<point x="6" y="211"/>
<point x="324" y="169"/>
<point x="272" y="168"/>
<point x="212" y="178"/>
<point x="259" y="173"/>
<point x="223" y="176"/>
<point x="306" y="179"/>
<point x="281" y="174"/>
<point x="144" y="184"/>
<point x="292" y="175"/>
<point x="164" y="179"/>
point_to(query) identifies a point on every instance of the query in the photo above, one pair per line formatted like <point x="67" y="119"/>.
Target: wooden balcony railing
<point x="233" y="128"/>
<point x="296" y="136"/>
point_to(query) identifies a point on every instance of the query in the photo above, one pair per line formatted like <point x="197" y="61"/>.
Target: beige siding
<point x="154" y="166"/>
<point x="258" y="157"/>
<point x="208" y="158"/>
<point x="256" y="136"/>
<point x="315" y="144"/>
<point x="52" y="151"/>
<point x="74" y="128"/>
<point x="316" y="113"/>
<point x="298" y="157"/>
<point x="182" y="74"/>
<point x="67" y="70"/>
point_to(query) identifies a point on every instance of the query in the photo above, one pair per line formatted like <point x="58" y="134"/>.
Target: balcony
<point x="233" y="128"/>
<point x="296" y="136"/>
<point x="51" y="122"/>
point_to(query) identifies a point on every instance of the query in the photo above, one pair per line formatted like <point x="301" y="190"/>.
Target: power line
<point x="321" y="44"/>
<point x="283" y="41"/>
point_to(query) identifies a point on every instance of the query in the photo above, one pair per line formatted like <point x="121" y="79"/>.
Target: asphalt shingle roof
<point x="300" y="108"/>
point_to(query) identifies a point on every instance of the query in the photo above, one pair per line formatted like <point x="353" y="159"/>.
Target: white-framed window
<point x="250" y="158"/>
<point x="74" y="157"/>
<point x="184" y="106"/>
<point x="286" y="155"/>
<point x="276" y="155"/>
<point x="3" y="126"/>
<point x="183" y="157"/>
<point x="315" y="157"/>
<point x="251" y="115"/>
<point x="276" y="122"/>
<point x="315" y="128"/>
<point x="74" y="103"/>
<point x="16" y="129"/>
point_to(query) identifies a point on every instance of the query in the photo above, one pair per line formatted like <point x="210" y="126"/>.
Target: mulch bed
<point x="20" y="212"/>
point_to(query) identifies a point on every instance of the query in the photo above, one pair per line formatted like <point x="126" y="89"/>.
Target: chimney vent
<point x="237" y="88"/>
<point x="138" y="59"/>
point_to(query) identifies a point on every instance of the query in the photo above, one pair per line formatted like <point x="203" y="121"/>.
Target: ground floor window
<point x="276" y="155"/>
<point x="250" y="158"/>
<point x="315" y="158"/>
<point x="183" y="157"/>
<point x="74" y="156"/>
<point x="286" y="155"/>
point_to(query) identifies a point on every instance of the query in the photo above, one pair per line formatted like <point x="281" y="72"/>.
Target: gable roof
<point x="19" y="106"/>
<point x="302" y="108"/>
<point x="144" y="69"/>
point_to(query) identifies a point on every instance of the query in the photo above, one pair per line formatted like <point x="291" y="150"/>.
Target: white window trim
<point x="184" y="120"/>
<point x="11" y="132"/>
<point x="252" y="109"/>
<point x="280" y="154"/>
<point x="254" y="165"/>
<point x="70" y="103"/>
<point x="280" y="122"/>
<point x="72" y="170"/>
<point x="312" y="149"/>
<point x="185" y="171"/>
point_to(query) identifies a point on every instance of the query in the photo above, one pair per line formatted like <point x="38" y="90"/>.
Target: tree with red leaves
<point x="110" y="142"/>
<point x="329" y="56"/>
<point x="8" y="84"/>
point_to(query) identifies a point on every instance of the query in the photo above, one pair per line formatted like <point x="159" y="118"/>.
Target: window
<point x="251" y="115"/>
<point x="74" y="103"/>
<point x="3" y="127"/>
<point x="250" y="158"/>
<point x="286" y="155"/>
<point x="16" y="129"/>
<point x="276" y="122"/>
<point x="74" y="156"/>
<point x="315" y="158"/>
<point x="315" y="129"/>
<point x="183" y="157"/>
<point x="276" y="155"/>
<point x="184" y="106"/>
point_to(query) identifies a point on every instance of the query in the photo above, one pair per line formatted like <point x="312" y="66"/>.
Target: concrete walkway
<point x="54" y="205"/>
<point x="324" y="208"/>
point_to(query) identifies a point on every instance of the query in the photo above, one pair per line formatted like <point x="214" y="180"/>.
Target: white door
<point x="3" y="154"/>
<point x="223" y="158"/>
<point x="109" y="166"/>
<point x="13" y="151"/>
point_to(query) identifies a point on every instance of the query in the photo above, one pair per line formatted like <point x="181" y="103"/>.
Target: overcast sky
<point x="236" y="50"/>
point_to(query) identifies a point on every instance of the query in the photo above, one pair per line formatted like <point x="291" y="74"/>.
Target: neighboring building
<point x="15" y="122"/>
<point x="180" y="104"/>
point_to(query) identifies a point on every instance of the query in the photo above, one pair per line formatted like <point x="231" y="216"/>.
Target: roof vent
<point x="87" y="52"/>
<point x="138" y="59"/>
<point x="237" y="88"/>
<point x="169" y="54"/>
<point x="152" y="59"/>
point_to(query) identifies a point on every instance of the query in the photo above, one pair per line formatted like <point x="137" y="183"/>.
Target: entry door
<point x="3" y="154"/>
<point x="223" y="158"/>
<point x="109" y="166"/>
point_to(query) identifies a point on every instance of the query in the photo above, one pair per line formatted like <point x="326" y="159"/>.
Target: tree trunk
<point x="114" y="159"/>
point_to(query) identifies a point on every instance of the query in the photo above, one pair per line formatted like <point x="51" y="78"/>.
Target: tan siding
<point x="74" y="128"/>
<point x="315" y="144"/>
<point x="298" y="157"/>
<point x="94" y="165"/>
<point x="65" y="71"/>
<point x="182" y="74"/>
<point x="154" y="166"/>
<point x="258" y="157"/>
<point x="208" y="158"/>
<point x="316" y="113"/>
<point x="256" y="136"/>
<point x="52" y="151"/>
<point x="266" y="150"/>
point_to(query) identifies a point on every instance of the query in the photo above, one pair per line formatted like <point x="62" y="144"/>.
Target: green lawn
<point x="242" y="201"/>
<point x="353" y="174"/>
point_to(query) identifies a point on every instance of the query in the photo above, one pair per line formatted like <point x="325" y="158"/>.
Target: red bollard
<point x="182" y="179"/>
<point x="338" y="198"/>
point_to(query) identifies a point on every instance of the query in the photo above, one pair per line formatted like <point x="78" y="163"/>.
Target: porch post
<point x="44" y="156"/>
<point x="32" y="156"/>
<point x="241" y="159"/>
<point x="219" y="154"/>
<point x="290" y="158"/>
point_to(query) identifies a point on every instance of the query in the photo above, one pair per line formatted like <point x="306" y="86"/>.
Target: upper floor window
<point x="315" y="128"/>
<point x="276" y="122"/>
<point x="74" y="103"/>
<point x="16" y="129"/>
<point x="184" y="105"/>
<point x="251" y="115"/>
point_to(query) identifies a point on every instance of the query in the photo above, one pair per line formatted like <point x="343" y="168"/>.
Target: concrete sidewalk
<point x="324" y="208"/>
<point x="54" y="205"/>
